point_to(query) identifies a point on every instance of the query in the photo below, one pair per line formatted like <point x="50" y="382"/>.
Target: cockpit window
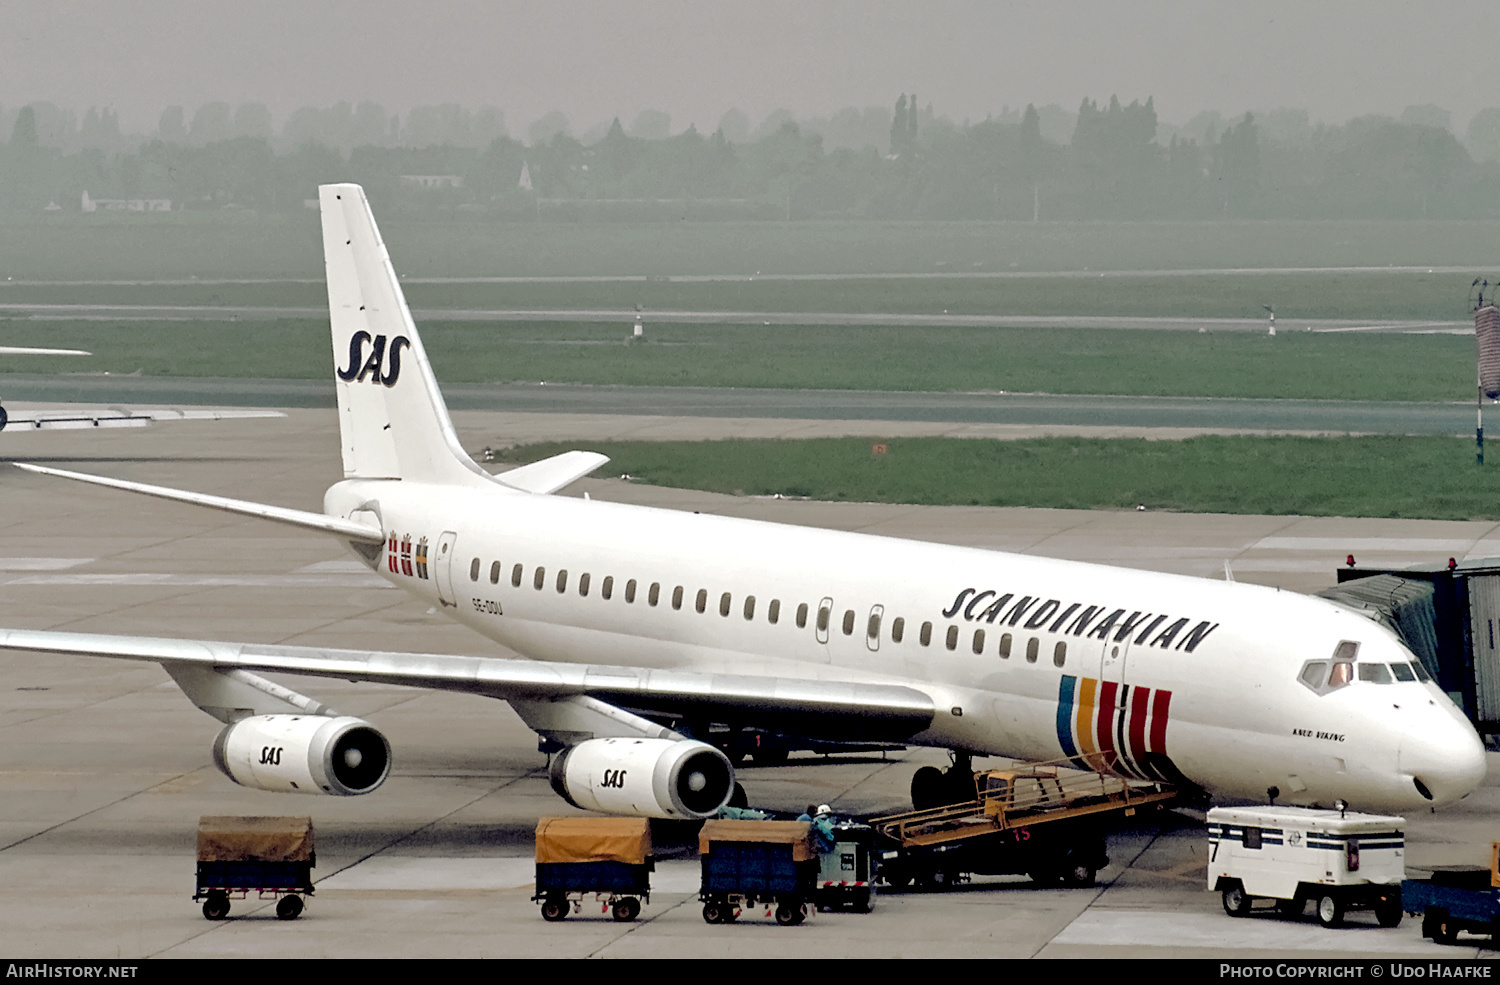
<point x="1375" y="673"/>
<point x="1403" y="672"/>
<point x="1342" y="674"/>
<point x="1322" y="676"/>
<point x="1421" y="671"/>
<point x="1315" y="673"/>
<point x="1346" y="650"/>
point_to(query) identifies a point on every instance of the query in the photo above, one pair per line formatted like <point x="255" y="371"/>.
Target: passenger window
<point x="495" y="573"/>
<point x="823" y="613"/>
<point x="677" y="597"/>
<point x="630" y="590"/>
<point x="702" y="604"/>
<point x="607" y="590"/>
<point x="898" y="629"/>
<point x="872" y="628"/>
<point x="725" y="604"/>
<point x="802" y="616"/>
<point x="1059" y="654"/>
<point x="1032" y="645"/>
<point x="978" y="641"/>
<point x="1374" y="673"/>
<point x="773" y="612"/>
<point x="925" y="636"/>
<point x="654" y="595"/>
<point x="562" y="581"/>
<point x="1403" y="672"/>
<point x="474" y="570"/>
<point x="1004" y="646"/>
<point x="540" y="579"/>
<point x="749" y="607"/>
<point x="515" y="576"/>
<point x="1250" y="837"/>
<point x="953" y="637"/>
<point x="583" y="583"/>
<point x="848" y="622"/>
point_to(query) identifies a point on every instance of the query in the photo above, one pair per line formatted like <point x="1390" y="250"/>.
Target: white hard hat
<point x="824" y="809"/>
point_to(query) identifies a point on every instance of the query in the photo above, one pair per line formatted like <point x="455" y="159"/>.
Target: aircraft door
<point x="442" y="568"/>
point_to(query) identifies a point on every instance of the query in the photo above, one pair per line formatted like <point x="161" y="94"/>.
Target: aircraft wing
<point x="823" y="708"/>
<point x="76" y="418"/>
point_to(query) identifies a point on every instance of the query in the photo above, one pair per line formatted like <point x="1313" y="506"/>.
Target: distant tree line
<point x="1106" y="161"/>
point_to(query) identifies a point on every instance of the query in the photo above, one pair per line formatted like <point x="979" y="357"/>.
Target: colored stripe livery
<point x="1111" y="727"/>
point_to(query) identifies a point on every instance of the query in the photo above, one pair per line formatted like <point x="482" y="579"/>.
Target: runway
<point x="105" y="767"/>
<point x="992" y="413"/>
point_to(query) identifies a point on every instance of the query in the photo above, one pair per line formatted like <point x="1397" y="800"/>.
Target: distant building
<point x="433" y="180"/>
<point x="126" y="204"/>
<point x="525" y="183"/>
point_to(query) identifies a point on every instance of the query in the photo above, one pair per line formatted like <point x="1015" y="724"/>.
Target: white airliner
<point x="83" y="418"/>
<point x="643" y="627"/>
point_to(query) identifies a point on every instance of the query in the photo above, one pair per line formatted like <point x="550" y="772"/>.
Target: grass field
<point x="1145" y="363"/>
<point x="1373" y="295"/>
<point x="1304" y="476"/>
<point x="238" y="244"/>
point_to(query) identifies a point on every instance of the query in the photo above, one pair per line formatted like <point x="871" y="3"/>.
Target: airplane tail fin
<point x="392" y="419"/>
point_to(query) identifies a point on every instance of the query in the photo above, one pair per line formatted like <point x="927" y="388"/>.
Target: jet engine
<point x="304" y="754"/>
<point x="670" y="778"/>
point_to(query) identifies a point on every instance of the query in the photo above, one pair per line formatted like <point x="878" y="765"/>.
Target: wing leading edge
<point x="824" y="708"/>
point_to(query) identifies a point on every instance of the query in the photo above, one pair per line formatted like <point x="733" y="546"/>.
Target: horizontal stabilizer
<point x="827" y="708"/>
<point x="552" y="474"/>
<point x="335" y="525"/>
<point x="85" y="418"/>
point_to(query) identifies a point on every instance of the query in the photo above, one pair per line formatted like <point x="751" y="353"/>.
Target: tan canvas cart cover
<point x="798" y="834"/>
<point x="593" y="839"/>
<point x="255" y="839"/>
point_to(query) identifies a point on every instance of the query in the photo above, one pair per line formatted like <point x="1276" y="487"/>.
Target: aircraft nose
<point x="1444" y="761"/>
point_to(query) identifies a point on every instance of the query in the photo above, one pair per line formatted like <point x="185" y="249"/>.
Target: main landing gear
<point x="932" y="787"/>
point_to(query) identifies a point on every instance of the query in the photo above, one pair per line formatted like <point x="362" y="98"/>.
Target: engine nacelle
<point x="674" y="778"/>
<point x="304" y="754"/>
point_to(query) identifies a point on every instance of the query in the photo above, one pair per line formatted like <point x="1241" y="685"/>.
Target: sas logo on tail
<point x="381" y="366"/>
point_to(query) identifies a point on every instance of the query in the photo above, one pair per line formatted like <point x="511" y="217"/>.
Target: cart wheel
<point x="1078" y="875"/>
<point x="863" y="902"/>
<point x="289" y="907"/>
<point x="1330" y="911"/>
<point x="713" y="913"/>
<point x="788" y="915"/>
<point x="216" y="907"/>
<point x="554" y="908"/>
<point x="627" y="909"/>
<point x="1444" y="929"/>
<point x="1388" y="913"/>
<point x="1236" y="901"/>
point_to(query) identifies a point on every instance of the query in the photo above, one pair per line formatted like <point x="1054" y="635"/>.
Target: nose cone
<point x="1444" y="761"/>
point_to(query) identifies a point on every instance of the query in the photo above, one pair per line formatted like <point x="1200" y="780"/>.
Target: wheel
<point x="3" y="418"/>
<point x="1444" y="929"/>
<point x="1388" y="913"/>
<point x="926" y="788"/>
<point x="627" y="909"/>
<point x="1236" y="901"/>
<point x="789" y="914"/>
<point x="289" y="907"/>
<point x="554" y="908"/>
<point x="713" y="913"/>
<point x="1330" y="911"/>
<point x="861" y="902"/>
<point x="738" y="797"/>
<point x="216" y="907"/>
<point x="1078" y="875"/>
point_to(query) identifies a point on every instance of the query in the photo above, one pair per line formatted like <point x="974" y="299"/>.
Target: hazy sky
<point x="594" y="60"/>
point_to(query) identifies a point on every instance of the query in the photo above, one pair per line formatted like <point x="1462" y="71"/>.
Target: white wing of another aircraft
<point x="84" y="418"/>
<point x="648" y="631"/>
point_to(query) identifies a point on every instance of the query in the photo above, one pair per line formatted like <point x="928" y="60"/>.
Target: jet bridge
<point x="1448" y="615"/>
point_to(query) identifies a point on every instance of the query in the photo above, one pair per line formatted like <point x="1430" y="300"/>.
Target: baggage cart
<point x="270" y="856"/>
<point x="1288" y="855"/>
<point x="608" y="858"/>
<point x="1457" y="898"/>
<point x="745" y="863"/>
